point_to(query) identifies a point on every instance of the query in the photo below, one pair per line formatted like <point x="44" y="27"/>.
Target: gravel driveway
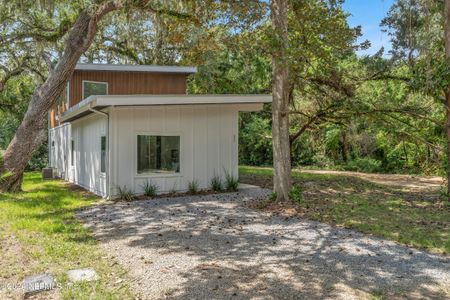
<point x="211" y="247"/>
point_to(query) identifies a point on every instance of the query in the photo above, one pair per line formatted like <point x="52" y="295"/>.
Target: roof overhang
<point x="136" y="68"/>
<point x="92" y="103"/>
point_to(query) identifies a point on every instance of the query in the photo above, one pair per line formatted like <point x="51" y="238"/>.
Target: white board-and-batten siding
<point x="85" y="171"/>
<point x="208" y="144"/>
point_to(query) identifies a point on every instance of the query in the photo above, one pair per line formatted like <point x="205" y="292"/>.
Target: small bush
<point x="124" y="193"/>
<point x="193" y="187"/>
<point x="295" y="194"/>
<point x="231" y="182"/>
<point x="150" y="189"/>
<point x="367" y="165"/>
<point x="216" y="183"/>
<point x="273" y="196"/>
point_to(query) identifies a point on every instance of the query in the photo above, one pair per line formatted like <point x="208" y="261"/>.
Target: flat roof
<point x="136" y="68"/>
<point x="99" y="102"/>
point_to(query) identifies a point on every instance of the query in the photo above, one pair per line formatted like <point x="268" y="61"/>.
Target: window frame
<point x="156" y="174"/>
<point x="101" y="154"/>
<point x="67" y="102"/>
<point x="92" y="81"/>
<point x="72" y="153"/>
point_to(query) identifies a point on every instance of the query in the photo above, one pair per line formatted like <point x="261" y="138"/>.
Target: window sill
<point x="158" y="175"/>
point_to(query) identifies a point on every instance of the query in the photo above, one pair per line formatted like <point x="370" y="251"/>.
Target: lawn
<point x="417" y="218"/>
<point x="39" y="233"/>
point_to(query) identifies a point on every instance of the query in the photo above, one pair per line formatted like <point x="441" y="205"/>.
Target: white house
<point x="123" y="125"/>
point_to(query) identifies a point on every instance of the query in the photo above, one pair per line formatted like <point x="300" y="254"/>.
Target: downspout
<point x="108" y="173"/>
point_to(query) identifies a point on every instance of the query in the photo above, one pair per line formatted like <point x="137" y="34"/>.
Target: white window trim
<point x="91" y="81"/>
<point x="153" y="174"/>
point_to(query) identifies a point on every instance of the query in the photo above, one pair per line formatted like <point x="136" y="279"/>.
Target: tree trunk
<point x="447" y="94"/>
<point x="29" y="134"/>
<point x="280" y="104"/>
<point x="344" y="148"/>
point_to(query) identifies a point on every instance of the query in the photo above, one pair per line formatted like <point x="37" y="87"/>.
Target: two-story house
<point x="123" y="125"/>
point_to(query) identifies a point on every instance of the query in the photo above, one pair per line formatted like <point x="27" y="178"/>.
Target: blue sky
<point x="368" y="14"/>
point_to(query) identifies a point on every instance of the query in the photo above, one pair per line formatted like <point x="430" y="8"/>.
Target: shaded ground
<point x="213" y="247"/>
<point x="402" y="208"/>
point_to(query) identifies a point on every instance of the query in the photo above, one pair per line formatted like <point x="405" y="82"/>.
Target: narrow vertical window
<point x="72" y="155"/>
<point x="103" y="154"/>
<point x="67" y="100"/>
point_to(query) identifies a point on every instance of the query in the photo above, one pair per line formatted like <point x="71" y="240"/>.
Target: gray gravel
<point x="211" y="247"/>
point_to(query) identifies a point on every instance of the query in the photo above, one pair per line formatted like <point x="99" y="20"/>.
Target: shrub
<point x="150" y="189"/>
<point x="193" y="187"/>
<point x="295" y="194"/>
<point x="124" y="193"/>
<point x="39" y="160"/>
<point x="231" y="182"/>
<point x="216" y="183"/>
<point x="368" y="165"/>
<point x="273" y="196"/>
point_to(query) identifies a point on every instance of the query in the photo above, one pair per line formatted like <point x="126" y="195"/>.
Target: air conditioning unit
<point x="48" y="173"/>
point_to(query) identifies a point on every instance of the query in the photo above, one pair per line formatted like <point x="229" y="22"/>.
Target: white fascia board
<point x="136" y="68"/>
<point x="79" y="108"/>
<point x="245" y="102"/>
<point x="130" y="100"/>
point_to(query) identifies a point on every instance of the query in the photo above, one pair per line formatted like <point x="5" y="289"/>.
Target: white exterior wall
<point x="59" y="149"/>
<point x="208" y="143"/>
<point x="87" y="133"/>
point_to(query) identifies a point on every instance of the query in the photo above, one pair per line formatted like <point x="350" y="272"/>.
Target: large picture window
<point x="94" y="88"/>
<point x="158" y="154"/>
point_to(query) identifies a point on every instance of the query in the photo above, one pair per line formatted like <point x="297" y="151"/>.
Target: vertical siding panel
<point x="200" y="137"/>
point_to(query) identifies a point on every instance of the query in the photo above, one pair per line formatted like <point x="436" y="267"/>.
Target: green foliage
<point x="193" y="187"/>
<point x="150" y="189"/>
<point x="255" y="138"/>
<point x="216" y="183"/>
<point x="295" y="194"/>
<point x="368" y="165"/>
<point x="231" y="181"/>
<point x="39" y="160"/>
<point x="124" y="193"/>
<point x="273" y="196"/>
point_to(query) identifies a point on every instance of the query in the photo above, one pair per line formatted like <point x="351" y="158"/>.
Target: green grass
<point x="411" y="218"/>
<point x="40" y="223"/>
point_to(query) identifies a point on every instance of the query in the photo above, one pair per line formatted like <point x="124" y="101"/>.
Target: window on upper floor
<point x="94" y="88"/>
<point x="64" y="99"/>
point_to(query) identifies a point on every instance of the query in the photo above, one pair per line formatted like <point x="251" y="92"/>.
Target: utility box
<point x="48" y="173"/>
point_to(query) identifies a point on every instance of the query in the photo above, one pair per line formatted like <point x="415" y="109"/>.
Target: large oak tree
<point x="81" y="34"/>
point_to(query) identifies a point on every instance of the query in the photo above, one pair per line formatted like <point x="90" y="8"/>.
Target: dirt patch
<point x="13" y="267"/>
<point x="409" y="182"/>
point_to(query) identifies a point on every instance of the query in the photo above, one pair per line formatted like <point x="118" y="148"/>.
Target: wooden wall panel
<point x="129" y="83"/>
<point x="123" y="83"/>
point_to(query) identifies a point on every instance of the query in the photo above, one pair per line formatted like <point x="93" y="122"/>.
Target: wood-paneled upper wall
<point x="122" y="83"/>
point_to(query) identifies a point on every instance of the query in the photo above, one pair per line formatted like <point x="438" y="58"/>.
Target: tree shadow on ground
<point x="236" y="252"/>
